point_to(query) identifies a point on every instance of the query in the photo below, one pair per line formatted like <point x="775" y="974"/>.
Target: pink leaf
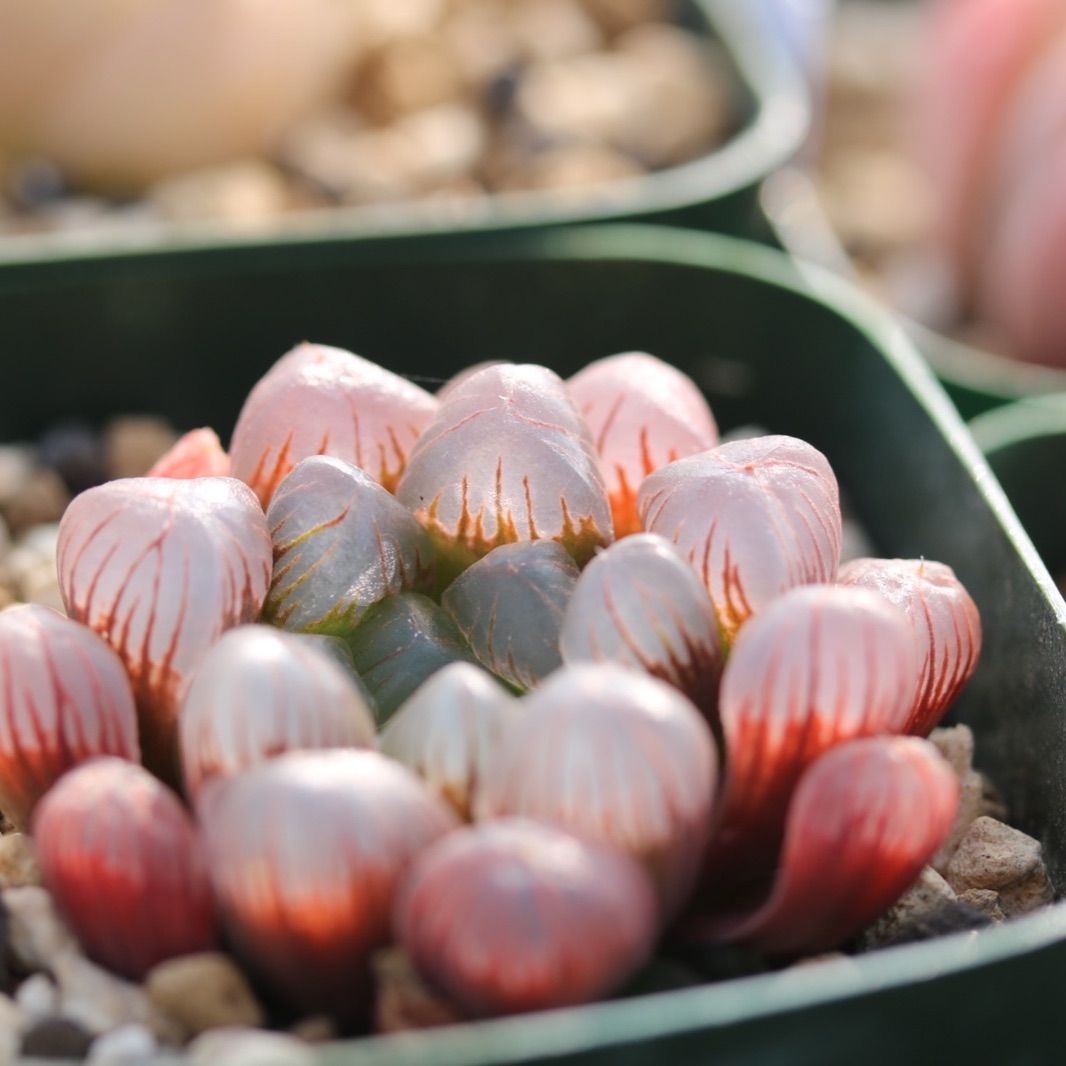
<point x="508" y="458"/>
<point x="325" y="401"/>
<point x="259" y="693"/>
<point x="161" y="568"/>
<point x="643" y="413"/>
<point x="612" y="755"/>
<point x="515" y="916"/>
<point x="755" y="518"/>
<point x="819" y="666"/>
<point x="306" y="854"/>
<point x="198" y="454"/>
<point x="864" y="821"/>
<point x="944" y="620"/>
<point x="125" y="865"/>
<point x="64" y="698"/>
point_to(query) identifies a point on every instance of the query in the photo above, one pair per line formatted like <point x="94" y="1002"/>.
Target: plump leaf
<point x="507" y="458"/>
<point x="403" y="641"/>
<point x="640" y="604"/>
<point x="325" y="401"/>
<point x="510" y="605"/>
<point x="755" y="518"/>
<point x="161" y="568"/>
<point x="643" y="413"/>
<point x="341" y="544"/>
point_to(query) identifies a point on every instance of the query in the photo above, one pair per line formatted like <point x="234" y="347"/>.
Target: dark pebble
<point x="76" y="453"/>
<point x="56" y="1037"/>
<point x="951" y="917"/>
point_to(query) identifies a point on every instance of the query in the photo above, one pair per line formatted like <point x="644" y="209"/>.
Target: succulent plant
<point x="448" y="732"/>
<point x="259" y="693"/>
<point x="943" y="618"/>
<point x="125" y="865"/>
<point x="161" y="568"/>
<point x="306" y="853"/>
<point x="974" y="58"/>
<point x="197" y="454"/>
<point x="510" y="605"/>
<point x="643" y="413"/>
<point x="341" y="544"/>
<point x="640" y="604"/>
<point x="516" y="916"/>
<point x="507" y="458"/>
<point x="871" y="813"/>
<point x="64" y="698"/>
<point x="403" y="641"/>
<point x="821" y="665"/>
<point x="613" y="755"/>
<point x="318" y="400"/>
<point x="755" y="518"/>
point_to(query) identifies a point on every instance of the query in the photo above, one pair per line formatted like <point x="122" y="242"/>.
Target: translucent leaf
<point x="507" y="458"/>
<point x="640" y="604"/>
<point x="510" y="605"/>
<point x="449" y="730"/>
<point x="755" y="518"/>
<point x="259" y="693"/>
<point x="161" y="568"/>
<point x="341" y="544"/>
<point x="643" y="413"/>
<point x="616" y="756"/>
<point x="943" y="618"/>
<point x="325" y="401"/>
<point x="403" y="641"/>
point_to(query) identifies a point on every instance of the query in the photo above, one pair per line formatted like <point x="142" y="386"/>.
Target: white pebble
<point x="37" y="997"/>
<point x="128" y="1045"/>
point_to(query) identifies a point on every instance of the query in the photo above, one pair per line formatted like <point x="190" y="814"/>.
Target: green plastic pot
<point x="186" y="333"/>
<point x="717" y="192"/>
<point x="1025" y="444"/>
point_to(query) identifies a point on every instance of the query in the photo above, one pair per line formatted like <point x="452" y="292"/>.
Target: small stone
<point x="203" y="991"/>
<point x="12" y="1022"/>
<point x="133" y="444"/>
<point x="683" y="104"/>
<point x="985" y="900"/>
<point x="128" y="1045"/>
<point x="554" y="29"/>
<point x="76" y="453"/>
<point x="247" y="195"/>
<point x="406" y="75"/>
<point x="929" y="894"/>
<point x="318" y="1029"/>
<point x="956" y="744"/>
<point x="248" y="1047"/>
<point x="5" y="539"/>
<point x="41" y="585"/>
<point x="18" y="862"/>
<point x="37" y="997"/>
<point x="7" y="597"/>
<point x="618" y="15"/>
<point x="17" y="464"/>
<point x="995" y="856"/>
<point x="37" y="935"/>
<point x="56" y="1037"/>
<point x="100" y="1001"/>
<point x="404" y="1001"/>
<point x="42" y="499"/>
<point x="992" y="804"/>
